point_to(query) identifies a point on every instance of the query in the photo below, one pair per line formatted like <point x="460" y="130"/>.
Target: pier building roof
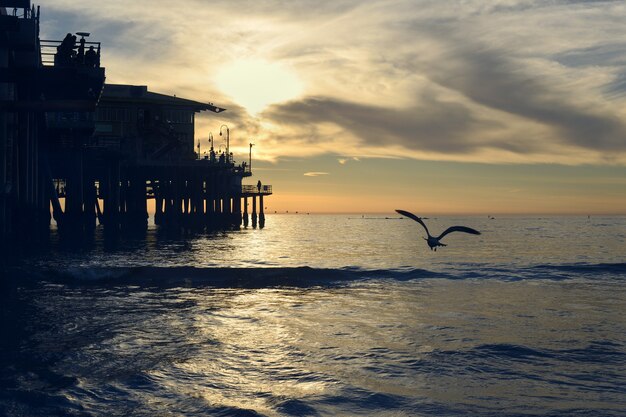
<point x="140" y="94"/>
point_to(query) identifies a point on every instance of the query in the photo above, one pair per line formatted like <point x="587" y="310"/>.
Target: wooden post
<point x="209" y="198"/>
<point x="254" y="217"/>
<point x="112" y="197"/>
<point x="99" y="213"/>
<point x="261" y="212"/>
<point x="74" y="188"/>
<point x="158" y="201"/>
<point x="237" y="210"/>
<point x="169" y="202"/>
<point x="138" y="204"/>
<point x="90" y="201"/>
<point x="123" y="192"/>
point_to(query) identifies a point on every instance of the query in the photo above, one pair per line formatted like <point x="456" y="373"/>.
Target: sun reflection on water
<point x="455" y="336"/>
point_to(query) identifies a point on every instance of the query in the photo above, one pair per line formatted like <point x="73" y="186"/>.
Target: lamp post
<point x="227" y="141"/>
<point x="250" y="158"/>
<point x="211" y="151"/>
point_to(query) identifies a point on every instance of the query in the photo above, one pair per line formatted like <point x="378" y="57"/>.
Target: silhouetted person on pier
<point x="72" y="45"/>
<point x="91" y="58"/>
<point x="67" y="42"/>
<point x="65" y="50"/>
<point x="258" y="186"/>
<point x="81" y="51"/>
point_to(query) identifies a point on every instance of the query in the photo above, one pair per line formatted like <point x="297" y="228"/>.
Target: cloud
<point x="315" y="174"/>
<point x="489" y="79"/>
<point x="503" y="81"/>
<point x="439" y="127"/>
<point x="483" y="100"/>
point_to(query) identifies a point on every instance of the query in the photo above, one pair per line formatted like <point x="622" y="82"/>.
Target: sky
<point x="433" y="106"/>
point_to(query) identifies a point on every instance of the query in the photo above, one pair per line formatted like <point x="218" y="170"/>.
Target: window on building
<point x="179" y="116"/>
<point x="112" y="114"/>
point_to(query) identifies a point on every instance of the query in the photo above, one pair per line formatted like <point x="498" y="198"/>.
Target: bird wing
<point x="414" y="217"/>
<point x="458" y="229"/>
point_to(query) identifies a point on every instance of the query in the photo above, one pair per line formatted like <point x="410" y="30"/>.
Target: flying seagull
<point x="432" y="241"/>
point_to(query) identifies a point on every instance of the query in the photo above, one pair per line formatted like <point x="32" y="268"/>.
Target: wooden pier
<point x="86" y="153"/>
<point x="196" y="195"/>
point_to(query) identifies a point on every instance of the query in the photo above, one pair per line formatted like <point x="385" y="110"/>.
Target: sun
<point x="256" y="83"/>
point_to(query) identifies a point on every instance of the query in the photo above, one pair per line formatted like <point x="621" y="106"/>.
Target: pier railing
<point x="254" y="190"/>
<point x="78" y="58"/>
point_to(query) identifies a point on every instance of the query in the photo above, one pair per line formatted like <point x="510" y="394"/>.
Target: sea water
<point x="322" y="315"/>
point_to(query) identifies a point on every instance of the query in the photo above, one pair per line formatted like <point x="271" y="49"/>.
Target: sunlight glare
<point x="255" y="83"/>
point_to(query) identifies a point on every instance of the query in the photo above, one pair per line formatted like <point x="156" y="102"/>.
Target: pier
<point x="84" y="153"/>
<point x="194" y="195"/>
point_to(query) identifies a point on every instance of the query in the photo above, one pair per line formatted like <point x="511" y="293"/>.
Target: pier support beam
<point x="237" y="210"/>
<point x="74" y="192"/>
<point x="261" y="212"/>
<point x="5" y="156"/>
<point x="158" y="202"/>
<point x="90" y="200"/>
<point x="209" y="198"/>
<point x="245" y="211"/>
<point x="111" y="197"/>
<point x="136" y="202"/>
<point x="254" y="216"/>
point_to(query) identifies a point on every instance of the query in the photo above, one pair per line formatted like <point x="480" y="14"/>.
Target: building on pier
<point x="145" y="125"/>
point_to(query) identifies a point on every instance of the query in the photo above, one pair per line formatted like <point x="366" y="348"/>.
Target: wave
<point x="261" y="277"/>
<point x="613" y="268"/>
<point x="597" y="351"/>
<point x="227" y="277"/>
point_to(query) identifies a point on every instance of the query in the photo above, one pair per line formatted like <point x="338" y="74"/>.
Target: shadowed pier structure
<point x="141" y="148"/>
<point x="193" y="195"/>
<point x="83" y="152"/>
<point x="32" y="89"/>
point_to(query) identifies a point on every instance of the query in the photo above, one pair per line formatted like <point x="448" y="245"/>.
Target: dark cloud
<point x="522" y="6"/>
<point x="617" y="88"/>
<point x="489" y="78"/>
<point x="431" y="126"/>
<point x="611" y="55"/>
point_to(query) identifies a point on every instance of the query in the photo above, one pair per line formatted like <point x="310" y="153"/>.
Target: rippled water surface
<point x="322" y="315"/>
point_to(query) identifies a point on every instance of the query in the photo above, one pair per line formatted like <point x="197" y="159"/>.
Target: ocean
<point x="321" y="315"/>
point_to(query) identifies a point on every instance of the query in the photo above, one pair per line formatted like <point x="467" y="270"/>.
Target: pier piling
<point x="254" y="215"/>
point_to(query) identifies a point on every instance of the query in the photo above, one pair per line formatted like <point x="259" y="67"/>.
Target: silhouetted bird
<point x="432" y="241"/>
